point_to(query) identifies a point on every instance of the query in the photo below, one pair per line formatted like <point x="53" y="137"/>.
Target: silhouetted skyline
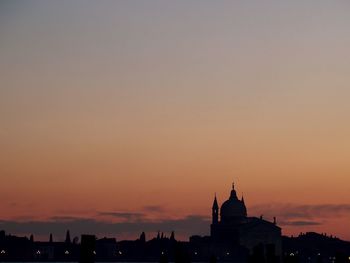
<point x="235" y="236"/>
<point x="121" y="116"/>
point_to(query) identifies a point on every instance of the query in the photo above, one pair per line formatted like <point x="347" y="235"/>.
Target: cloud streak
<point x="129" y="216"/>
<point x="300" y="223"/>
<point x="300" y="214"/>
<point x="154" y="208"/>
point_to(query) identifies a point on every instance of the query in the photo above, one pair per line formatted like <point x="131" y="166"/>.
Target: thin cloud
<point x="63" y="218"/>
<point x="154" y="208"/>
<point x="123" y="215"/>
<point x="299" y="223"/>
<point x="301" y="214"/>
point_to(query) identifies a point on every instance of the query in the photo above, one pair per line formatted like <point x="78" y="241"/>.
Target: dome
<point x="233" y="209"/>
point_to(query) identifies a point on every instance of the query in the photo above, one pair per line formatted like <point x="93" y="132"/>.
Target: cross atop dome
<point x="233" y="192"/>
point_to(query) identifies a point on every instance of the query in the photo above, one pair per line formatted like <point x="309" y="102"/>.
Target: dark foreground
<point x="310" y="247"/>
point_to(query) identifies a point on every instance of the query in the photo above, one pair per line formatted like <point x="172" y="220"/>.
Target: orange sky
<point x="116" y="107"/>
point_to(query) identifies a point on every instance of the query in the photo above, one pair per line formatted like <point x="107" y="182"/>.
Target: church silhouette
<point x="233" y="234"/>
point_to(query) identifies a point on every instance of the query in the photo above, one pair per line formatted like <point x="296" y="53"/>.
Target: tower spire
<point x="215" y="211"/>
<point x="215" y="203"/>
<point x="68" y="240"/>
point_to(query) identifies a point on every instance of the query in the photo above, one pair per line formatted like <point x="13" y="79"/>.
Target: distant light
<point x="162" y="253"/>
<point x="94" y="252"/>
<point x="227" y="253"/>
<point x="195" y="253"/>
<point x="66" y="252"/>
<point x="119" y="252"/>
<point x="38" y="252"/>
<point x="291" y="254"/>
<point x="318" y="254"/>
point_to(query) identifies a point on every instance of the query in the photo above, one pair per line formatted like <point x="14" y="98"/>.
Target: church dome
<point x="233" y="209"/>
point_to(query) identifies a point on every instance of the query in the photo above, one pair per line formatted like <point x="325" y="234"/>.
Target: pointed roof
<point x="172" y="236"/>
<point x="215" y="203"/>
<point x="68" y="240"/>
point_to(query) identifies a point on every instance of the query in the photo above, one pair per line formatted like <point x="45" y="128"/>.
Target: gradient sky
<point x="139" y="111"/>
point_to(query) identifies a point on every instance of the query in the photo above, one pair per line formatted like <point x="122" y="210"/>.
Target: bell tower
<point x="215" y="212"/>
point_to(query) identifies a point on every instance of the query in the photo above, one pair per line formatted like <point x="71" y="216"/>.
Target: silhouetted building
<point x="236" y="227"/>
<point x="68" y="240"/>
<point x="87" y="249"/>
<point x="313" y="247"/>
<point x="143" y="237"/>
<point x="235" y="236"/>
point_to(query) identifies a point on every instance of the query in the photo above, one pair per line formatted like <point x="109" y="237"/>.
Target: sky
<point x="125" y="116"/>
